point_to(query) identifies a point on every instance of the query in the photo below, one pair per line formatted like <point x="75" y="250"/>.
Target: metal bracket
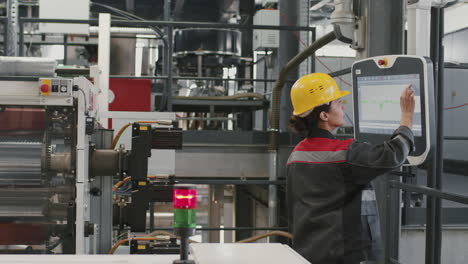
<point x="359" y="37"/>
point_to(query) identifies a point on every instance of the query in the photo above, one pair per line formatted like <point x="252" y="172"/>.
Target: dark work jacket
<point x="325" y="180"/>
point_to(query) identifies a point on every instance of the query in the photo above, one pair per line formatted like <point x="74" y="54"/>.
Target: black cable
<point x="77" y="88"/>
<point x="131" y="16"/>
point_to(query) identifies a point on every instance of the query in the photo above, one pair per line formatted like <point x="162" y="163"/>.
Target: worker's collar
<point x="322" y="133"/>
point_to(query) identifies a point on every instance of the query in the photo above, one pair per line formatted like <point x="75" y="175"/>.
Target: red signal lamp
<point x="184" y="197"/>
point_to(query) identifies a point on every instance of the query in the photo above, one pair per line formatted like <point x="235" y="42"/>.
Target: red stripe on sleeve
<point x="323" y="144"/>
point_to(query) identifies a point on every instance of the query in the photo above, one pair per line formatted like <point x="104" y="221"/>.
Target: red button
<point x="45" y="88"/>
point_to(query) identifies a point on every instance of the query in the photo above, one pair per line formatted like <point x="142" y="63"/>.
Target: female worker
<point x="326" y="176"/>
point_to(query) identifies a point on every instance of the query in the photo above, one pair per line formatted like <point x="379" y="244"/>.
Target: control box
<point x="64" y="9"/>
<point x="377" y="85"/>
<point x="266" y="39"/>
<point x="55" y="87"/>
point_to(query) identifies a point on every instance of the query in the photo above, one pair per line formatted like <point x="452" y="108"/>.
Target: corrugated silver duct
<point x="20" y="161"/>
<point x="27" y="66"/>
<point x="125" y="30"/>
<point x="33" y="187"/>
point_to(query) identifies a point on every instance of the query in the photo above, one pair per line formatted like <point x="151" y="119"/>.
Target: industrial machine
<point x="55" y="183"/>
<point x="44" y="144"/>
<point x="378" y="83"/>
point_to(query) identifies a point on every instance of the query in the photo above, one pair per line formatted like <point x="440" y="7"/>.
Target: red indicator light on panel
<point x="45" y="88"/>
<point x="382" y="62"/>
<point x="185" y="198"/>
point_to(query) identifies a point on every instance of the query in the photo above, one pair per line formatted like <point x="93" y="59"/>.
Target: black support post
<point x="312" y="58"/>
<point x="435" y="168"/>
<point x="440" y="137"/>
<point x="65" y="49"/>
<point x="170" y="43"/>
<point x="21" y="38"/>
<point x="5" y="35"/>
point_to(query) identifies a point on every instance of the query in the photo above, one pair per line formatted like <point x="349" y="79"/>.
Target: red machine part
<point x="25" y="119"/>
<point x="130" y="95"/>
<point x="22" y="234"/>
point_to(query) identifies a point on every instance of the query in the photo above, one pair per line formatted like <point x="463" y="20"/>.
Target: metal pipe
<point x="169" y="69"/>
<point x="124" y="30"/>
<point x="273" y="189"/>
<point x="440" y="137"/>
<point x="388" y="229"/>
<point x="65" y="47"/>
<point x="196" y="78"/>
<point x="199" y="65"/>
<point x="27" y="66"/>
<point x="4" y="21"/>
<point x="430" y="192"/>
<point x="104" y="64"/>
<point x="178" y="24"/>
<point x="456" y="138"/>
<point x="431" y="208"/>
<point x="312" y="57"/>
<point x="233" y="182"/>
<point x="340" y="72"/>
<point x="167" y="58"/>
<point x="276" y="99"/>
<point x="11" y="27"/>
<point x="226" y="228"/>
<point x="61" y="162"/>
<point x="21" y="38"/>
<point x="104" y="162"/>
<point x="184" y="248"/>
<point x="151" y="216"/>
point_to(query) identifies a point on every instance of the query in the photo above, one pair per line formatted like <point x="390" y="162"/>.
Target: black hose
<point x="131" y="16"/>
<point x="276" y="97"/>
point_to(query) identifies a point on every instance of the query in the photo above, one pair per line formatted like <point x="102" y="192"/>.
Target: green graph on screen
<point x="380" y="103"/>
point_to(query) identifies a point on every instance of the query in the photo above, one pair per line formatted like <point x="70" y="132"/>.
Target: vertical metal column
<point x="65" y="49"/>
<point x="312" y="58"/>
<point x="433" y="224"/>
<point x="5" y="35"/>
<point x="265" y="88"/>
<point x="288" y="48"/>
<point x="384" y="35"/>
<point x="385" y="27"/>
<point x="438" y="59"/>
<point x="104" y="64"/>
<point x="21" y="38"/>
<point x="151" y="216"/>
<point x="215" y="211"/>
<point x="101" y="205"/>
<point x="170" y="44"/>
<point x="12" y="28"/>
<point x="167" y="60"/>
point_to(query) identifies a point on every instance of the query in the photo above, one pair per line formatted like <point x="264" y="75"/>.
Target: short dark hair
<point x="310" y="122"/>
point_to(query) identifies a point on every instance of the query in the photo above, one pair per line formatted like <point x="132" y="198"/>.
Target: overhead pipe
<point x="276" y="95"/>
<point x="124" y="30"/>
<point x="274" y="120"/>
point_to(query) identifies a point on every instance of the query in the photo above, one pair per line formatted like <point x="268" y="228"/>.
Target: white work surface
<point x="253" y="253"/>
<point x="202" y="253"/>
<point x="88" y="259"/>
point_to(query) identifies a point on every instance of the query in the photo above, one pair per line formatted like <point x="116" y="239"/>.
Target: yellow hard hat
<point x="313" y="90"/>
